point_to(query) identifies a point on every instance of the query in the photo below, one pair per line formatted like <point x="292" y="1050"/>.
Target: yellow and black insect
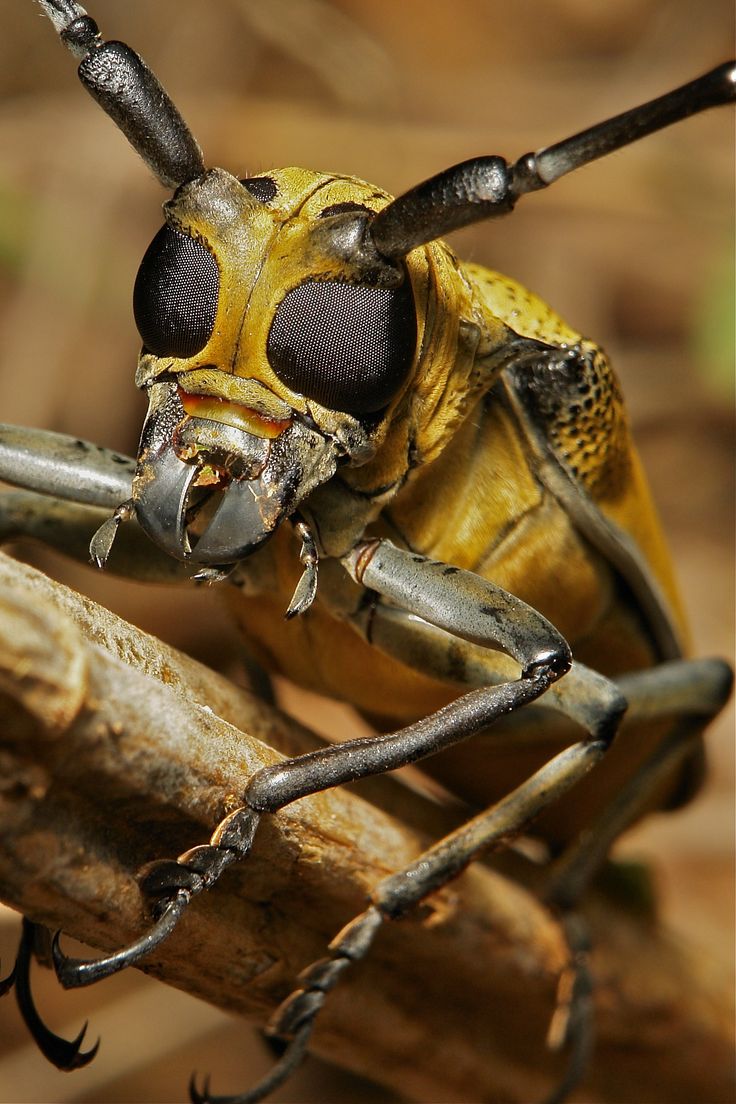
<point x="469" y="528"/>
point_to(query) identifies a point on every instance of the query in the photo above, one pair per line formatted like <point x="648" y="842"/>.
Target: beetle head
<point x="277" y="344"/>
<point x="281" y="334"/>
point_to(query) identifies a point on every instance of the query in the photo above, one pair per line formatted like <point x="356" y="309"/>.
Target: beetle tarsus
<point x="74" y="973"/>
<point x="169" y="886"/>
<point x="294" y="1020"/>
<point x="289" y="1062"/>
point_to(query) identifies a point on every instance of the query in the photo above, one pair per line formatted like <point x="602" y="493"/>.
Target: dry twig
<point x="116" y="750"/>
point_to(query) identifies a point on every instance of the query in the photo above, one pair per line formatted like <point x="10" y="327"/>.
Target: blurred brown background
<point x="637" y="251"/>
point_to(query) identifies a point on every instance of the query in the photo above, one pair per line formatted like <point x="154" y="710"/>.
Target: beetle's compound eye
<point x="347" y="346"/>
<point x="175" y="295"/>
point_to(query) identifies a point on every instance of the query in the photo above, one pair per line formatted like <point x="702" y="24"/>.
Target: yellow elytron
<point x="453" y="456"/>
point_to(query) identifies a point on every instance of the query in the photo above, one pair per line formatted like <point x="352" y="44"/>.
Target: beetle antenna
<point x="130" y="94"/>
<point x="486" y="187"/>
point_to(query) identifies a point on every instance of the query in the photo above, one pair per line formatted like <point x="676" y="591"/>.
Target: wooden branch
<point x="116" y="750"/>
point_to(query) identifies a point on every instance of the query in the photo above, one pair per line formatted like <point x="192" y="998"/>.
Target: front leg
<point x="71" y="490"/>
<point x="477" y="610"/>
<point x="473" y="610"/>
<point x="64" y="467"/>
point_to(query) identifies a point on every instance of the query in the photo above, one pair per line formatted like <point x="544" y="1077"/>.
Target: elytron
<point x="429" y="472"/>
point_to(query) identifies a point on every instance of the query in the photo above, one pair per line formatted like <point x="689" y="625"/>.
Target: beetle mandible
<point x="531" y="405"/>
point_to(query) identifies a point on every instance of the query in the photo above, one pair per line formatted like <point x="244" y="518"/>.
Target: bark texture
<point x="116" y="750"/>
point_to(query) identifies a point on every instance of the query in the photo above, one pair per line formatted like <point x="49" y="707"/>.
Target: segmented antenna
<point x="130" y="94"/>
<point x="486" y="187"/>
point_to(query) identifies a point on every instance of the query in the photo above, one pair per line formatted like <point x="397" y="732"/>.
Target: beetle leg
<point x="573" y="1020"/>
<point x="70" y="527"/>
<point x="585" y="696"/>
<point x="71" y="488"/>
<point x="65" y="467"/>
<point x="693" y="691"/>
<point x="460" y="603"/>
<point x="397" y="894"/>
<point x="174" y="883"/>
<point x="484" y="613"/>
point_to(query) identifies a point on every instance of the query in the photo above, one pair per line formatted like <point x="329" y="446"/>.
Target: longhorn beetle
<point x="468" y="524"/>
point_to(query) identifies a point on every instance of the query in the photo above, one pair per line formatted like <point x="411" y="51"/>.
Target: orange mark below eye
<point x="232" y="414"/>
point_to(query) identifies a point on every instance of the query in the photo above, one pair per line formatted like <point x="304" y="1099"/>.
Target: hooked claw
<point x="573" y="1022"/>
<point x="296" y="1017"/>
<point x="76" y="972"/>
<point x="276" y="1076"/>
<point x="7" y="983"/>
<point x="65" y="1054"/>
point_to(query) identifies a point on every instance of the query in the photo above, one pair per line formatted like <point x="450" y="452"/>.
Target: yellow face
<point x="279" y="345"/>
<point x="276" y="342"/>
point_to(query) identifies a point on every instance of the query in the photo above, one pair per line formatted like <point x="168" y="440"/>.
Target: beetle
<point x="337" y="247"/>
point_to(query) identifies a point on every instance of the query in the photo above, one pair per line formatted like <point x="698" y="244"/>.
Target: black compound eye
<point x="347" y="346"/>
<point x="175" y="295"/>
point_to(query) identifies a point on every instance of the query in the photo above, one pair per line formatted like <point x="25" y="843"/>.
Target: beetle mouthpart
<point x="209" y="493"/>
<point x="194" y="515"/>
<point x="234" y="414"/>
